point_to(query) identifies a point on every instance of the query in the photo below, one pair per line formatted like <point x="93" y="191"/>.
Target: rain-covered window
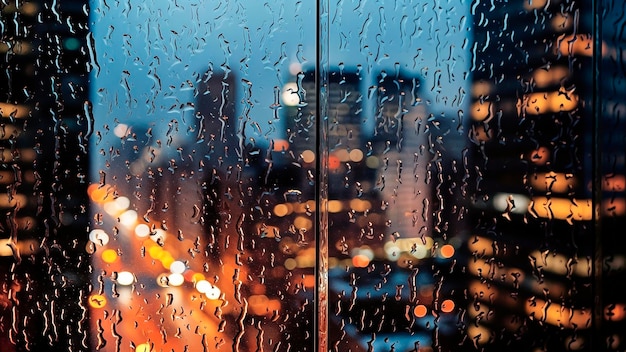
<point x="322" y="175"/>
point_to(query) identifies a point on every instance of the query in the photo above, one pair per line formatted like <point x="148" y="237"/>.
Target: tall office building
<point x="531" y="248"/>
<point x="45" y="127"/>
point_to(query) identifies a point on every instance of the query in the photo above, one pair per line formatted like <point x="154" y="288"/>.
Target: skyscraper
<point x="531" y="248"/>
<point x="46" y="125"/>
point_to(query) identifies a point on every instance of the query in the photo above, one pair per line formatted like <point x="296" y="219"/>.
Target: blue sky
<point x="150" y="56"/>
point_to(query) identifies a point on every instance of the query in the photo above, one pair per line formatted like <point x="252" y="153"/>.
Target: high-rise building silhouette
<point x="531" y="248"/>
<point x="45" y="130"/>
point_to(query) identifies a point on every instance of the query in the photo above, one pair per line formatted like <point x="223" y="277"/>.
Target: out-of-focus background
<point x="174" y="183"/>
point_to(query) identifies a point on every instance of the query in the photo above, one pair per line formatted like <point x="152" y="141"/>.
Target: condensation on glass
<point x="237" y="175"/>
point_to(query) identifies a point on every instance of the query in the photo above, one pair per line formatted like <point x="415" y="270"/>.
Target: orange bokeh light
<point x="100" y="193"/>
<point x="360" y="261"/>
<point x="420" y="311"/>
<point x="447" y="251"/>
<point x="280" y="145"/>
<point x="447" y="306"/>
<point x="540" y="156"/>
<point x="615" y="312"/>
<point x="333" y="162"/>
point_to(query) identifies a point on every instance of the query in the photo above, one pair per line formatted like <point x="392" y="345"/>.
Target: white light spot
<point x="176" y="279"/>
<point x="142" y="230"/>
<point x="125" y="278"/>
<point x="128" y="218"/>
<point x="290" y="96"/>
<point x="178" y="267"/>
<point x="99" y="237"/>
<point x="120" y="130"/>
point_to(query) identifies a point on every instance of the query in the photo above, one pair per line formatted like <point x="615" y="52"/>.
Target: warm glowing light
<point x="280" y="145"/>
<point x="360" y="261"/>
<point x="614" y="207"/>
<point x="306" y="258"/>
<point x="558" y="315"/>
<point x="420" y="311"/>
<point x="258" y="304"/>
<point x="7" y="177"/>
<point x="290" y="263"/>
<point x="6" y="246"/>
<point x="614" y="183"/>
<point x="334" y="206"/>
<point x="581" y="44"/>
<point x="125" y="278"/>
<point x="360" y="205"/>
<point x="333" y="162"/>
<point x="16" y="201"/>
<point x="356" y="155"/>
<point x="144" y="347"/>
<point x="128" y="218"/>
<point x="166" y="260"/>
<point x="479" y="334"/>
<point x="109" y="256"/>
<point x="281" y="210"/>
<point x="99" y="237"/>
<point x="301" y="208"/>
<point x="446" y="251"/>
<point x="540" y="156"/>
<point x="302" y="222"/>
<point x="481" y="89"/>
<point x="420" y="252"/>
<point x="544" y="77"/>
<point x="481" y="110"/>
<point x="547" y="102"/>
<point x="615" y="312"/>
<point x="480" y="246"/>
<point x="178" y="267"/>
<point x="552" y="182"/>
<point x="13" y="110"/>
<point x="491" y="270"/>
<point x="562" y="22"/>
<point x="447" y="306"/>
<point x="530" y="5"/>
<point x="261" y="305"/>
<point x="155" y="252"/>
<point x="100" y="193"/>
<point x="175" y="279"/>
<point x="561" y="208"/>
<point x="479" y="133"/>
<point x="97" y="301"/>
<point x="308" y="156"/>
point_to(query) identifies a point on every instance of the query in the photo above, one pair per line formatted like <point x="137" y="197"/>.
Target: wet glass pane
<point x="204" y="233"/>
<point x="399" y="91"/>
<point x="611" y="179"/>
<point x="323" y="175"/>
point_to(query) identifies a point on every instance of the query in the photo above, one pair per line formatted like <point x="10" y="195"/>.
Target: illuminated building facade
<point x="45" y="128"/>
<point x="532" y="244"/>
